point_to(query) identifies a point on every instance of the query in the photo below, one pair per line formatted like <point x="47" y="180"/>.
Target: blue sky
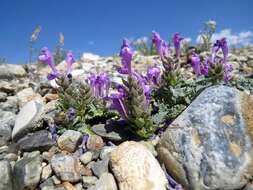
<point x="99" y="25"/>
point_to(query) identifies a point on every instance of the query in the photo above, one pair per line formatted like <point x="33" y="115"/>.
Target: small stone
<point x="78" y="186"/>
<point x="95" y="142"/>
<point x="11" y="157"/>
<point x="86" y="157"/>
<point x="11" y="71"/>
<point x="66" y="167"/>
<point x="11" y="104"/>
<point x="5" y="175"/>
<point x="56" y="180"/>
<point x="89" y="180"/>
<point x="27" y="119"/>
<point x="85" y="171"/>
<point x="5" y="130"/>
<point x="46" y="172"/>
<point x="27" y="95"/>
<point x="100" y="167"/>
<point x="105" y="182"/>
<point x="249" y="186"/>
<point x="50" y="97"/>
<point x="7" y="87"/>
<point x="135" y="168"/>
<point x="7" y="120"/>
<point x="111" y="132"/>
<point x="69" y="140"/>
<point x="3" y="96"/>
<point x="40" y="140"/>
<point x="68" y="186"/>
<point x="106" y="150"/>
<point x="27" y="171"/>
<point x="48" y="184"/>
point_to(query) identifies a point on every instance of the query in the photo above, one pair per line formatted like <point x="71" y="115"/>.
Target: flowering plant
<point x="214" y="68"/>
<point x="80" y="103"/>
<point x="132" y="99"/>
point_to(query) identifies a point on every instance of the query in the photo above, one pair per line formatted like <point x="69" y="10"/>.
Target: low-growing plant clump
<point x="145" y="102"/>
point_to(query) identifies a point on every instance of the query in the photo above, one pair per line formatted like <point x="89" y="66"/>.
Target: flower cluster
<point x="146" y="82"/>
<point x="162" y="46"/>
<point x="99" y="84"/>
<point x="46" y="58"/>
<point x="214" y="61"/>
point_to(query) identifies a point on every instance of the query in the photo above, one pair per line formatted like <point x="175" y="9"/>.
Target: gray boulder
<point x="105" y="182"/>
<point x="5" y="175"/>
<point x="209" y="146"/>
<point x="28" y="119"/>
<point x="66" y="168"/>
<point x="27" y="171"/>
<point x="40" y="140"/>
<point x="69" y="140"/>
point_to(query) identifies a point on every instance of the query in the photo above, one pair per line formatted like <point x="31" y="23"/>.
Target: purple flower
<point x="100" y="84"/>
<point x="83" y="145"/>
<point x="71" y="114"/>
<point x="46" y="58"/>
<point x="70" y="60"/>
<point x="126" y="55"/>
<point x="220" y="44"/>
<point x="224" y="48"/>
<point x="53" y="132"/>
<point x="117" y="100"/>
<point x="145" y="86"/>
<point x="153" y="74"/>
<point x="195" y="63"/>
<point x="204" y="68"/>
<point x="177" y="43"/>
<point x="162" y="47"/>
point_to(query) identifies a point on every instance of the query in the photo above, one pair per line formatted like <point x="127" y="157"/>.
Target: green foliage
<point x="241" y="83"/>
<point x="77" y="96"/>
<point x="216" y="73"/>
<point x="179" y="94"/>
<point x="138" y="116"/>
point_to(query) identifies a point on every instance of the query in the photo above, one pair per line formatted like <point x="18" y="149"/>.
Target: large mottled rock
<point x="27" y="171"/>
<point x="209" y="146"/>
<point x="11" y="71"/>
<point x="5" y="176"/>
<point x="105" y="182"/>
<point x="40" y="140"/>
<point x="135" y="168"/>
<point x="69" y="140"/>
<point x="66" y="168"/>
<point x="27" y="119"/>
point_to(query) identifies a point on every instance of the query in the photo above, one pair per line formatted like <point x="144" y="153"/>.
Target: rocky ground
<point x="209" y="146"/>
